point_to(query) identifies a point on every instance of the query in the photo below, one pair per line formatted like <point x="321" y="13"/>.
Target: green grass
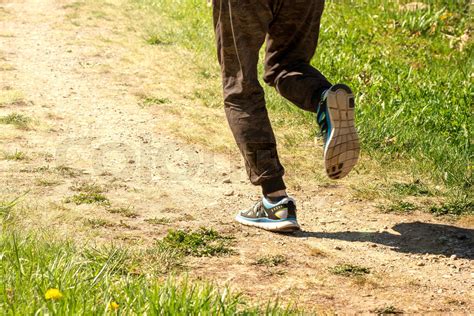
<point x="6" y="207"/>
<point x="18" y="120"/>
<point x="271" y="261"/>
<point x="156" y="39"/>
<point x="89" y="279"/>
<point x="456" y="208"/>
<point x="200" y="243"/>
<point x="158" y="221"/>
<point x="16" y="156"/>
<point x="399" y="207"/>
<point x="415" y="188"/>
<point x="161" y="259"/>
<point x="123" y="211"/>
<point x="88" y="198"/>
<point x="411" y="72"/>
<point x="349" y="270"/>
<point x="88" y="194"/>
<point x="150" y="101"/>
<point x="388" y="310"/>
<point x="98" y="223"/>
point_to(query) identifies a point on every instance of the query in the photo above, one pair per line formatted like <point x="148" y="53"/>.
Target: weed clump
<point x="123" y="211"/>
<point x="388" y="310"/>
<point x="16" y="156"/>
<point x="18" y="120"/>
<point x="88" y="194"/>
<point x="98" y="222"/>
<point x="349" y="270"/>
<point x="399" y="207"/>
<point x="150" y="101"/>
<point x="271" y="261"/>
<point x="202" y="243"/>
<point x="158" y="221"/>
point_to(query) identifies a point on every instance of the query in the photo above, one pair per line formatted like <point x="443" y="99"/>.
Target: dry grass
<point x="8" y="97"/>
<point x="6" y="67"/>
<point x="316" y="252"/>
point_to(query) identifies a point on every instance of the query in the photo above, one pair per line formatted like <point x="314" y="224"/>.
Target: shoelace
<point x="257" y="209"/>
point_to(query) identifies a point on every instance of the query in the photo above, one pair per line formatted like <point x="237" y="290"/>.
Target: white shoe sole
<point x="284" y="226"/>
<point x="342" y="147"/>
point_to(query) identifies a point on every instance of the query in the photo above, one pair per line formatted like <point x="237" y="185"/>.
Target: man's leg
<point x="291" y="43"/>
<point x="241" y="27"/>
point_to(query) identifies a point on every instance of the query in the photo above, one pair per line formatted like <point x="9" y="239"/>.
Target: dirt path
<point x="89" y="128"/>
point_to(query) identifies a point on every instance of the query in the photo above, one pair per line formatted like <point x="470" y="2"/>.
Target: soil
<point x="90" y="126"/>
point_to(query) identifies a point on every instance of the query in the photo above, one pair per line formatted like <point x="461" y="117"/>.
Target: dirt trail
<point x="90" y="121"/>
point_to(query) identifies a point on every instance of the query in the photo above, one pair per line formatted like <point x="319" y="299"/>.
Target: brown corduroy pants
<point x="291" y="29"/>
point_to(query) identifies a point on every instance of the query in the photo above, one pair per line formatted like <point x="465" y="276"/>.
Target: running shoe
<point x="335" y="116"/>
<point x="276" y="217"/>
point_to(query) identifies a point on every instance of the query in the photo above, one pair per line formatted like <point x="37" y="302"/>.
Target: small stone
<point x="453" y="257"/>
<point x="373" y="245"/>
<point x="420" y="264"/>
<point x="440" y="291"/>
<point x="227" y="180"/>
<point x="337" y="248"/>
<point x="229" y="193"/>
<point x="385" y="227"/>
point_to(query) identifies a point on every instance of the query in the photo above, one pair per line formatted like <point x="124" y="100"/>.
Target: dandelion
<point x="113" y="306"/>
<point x="53" y="294"/>
<point x="445" y="16"/>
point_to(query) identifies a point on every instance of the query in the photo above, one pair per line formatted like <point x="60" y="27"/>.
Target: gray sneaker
<point x="276" y="217"/>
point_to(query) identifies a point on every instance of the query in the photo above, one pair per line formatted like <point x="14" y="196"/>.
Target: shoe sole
<point x="284" y="226"/>
<point x="342" y="148"/>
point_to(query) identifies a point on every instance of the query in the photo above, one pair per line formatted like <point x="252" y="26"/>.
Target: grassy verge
<point x="411" y="69"/>
<point x="40" y="274"/>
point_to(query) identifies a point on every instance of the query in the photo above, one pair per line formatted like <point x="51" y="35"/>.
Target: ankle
<point x="276" y="194"/>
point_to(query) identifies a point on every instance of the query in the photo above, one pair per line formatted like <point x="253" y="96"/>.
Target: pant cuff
<point x="316" y="97"/>
<point x="272" y="185"/>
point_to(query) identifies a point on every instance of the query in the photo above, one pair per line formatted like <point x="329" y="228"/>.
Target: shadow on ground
<point x="415" y="238"/>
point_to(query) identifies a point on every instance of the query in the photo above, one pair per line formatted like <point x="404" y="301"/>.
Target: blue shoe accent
<point x="278" y="217"/>
<point x="263" y="220"/>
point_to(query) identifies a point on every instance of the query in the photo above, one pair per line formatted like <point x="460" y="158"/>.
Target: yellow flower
<point x="113" y="306"/>
<point x="53" y="294"/>
<point x="445" y="15"/>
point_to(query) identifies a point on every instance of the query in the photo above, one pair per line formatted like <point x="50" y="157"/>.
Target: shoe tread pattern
<point x="342" y="150"/>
